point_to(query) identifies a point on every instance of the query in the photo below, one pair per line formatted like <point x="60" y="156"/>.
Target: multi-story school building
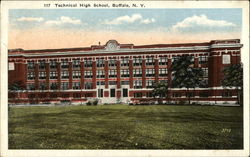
<point x="117" y="72"/>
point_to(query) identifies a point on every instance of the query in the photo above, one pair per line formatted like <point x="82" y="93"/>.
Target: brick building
<point x="117" y="72"/>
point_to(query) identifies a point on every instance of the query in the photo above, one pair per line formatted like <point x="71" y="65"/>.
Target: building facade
<point x="118" y="73"/>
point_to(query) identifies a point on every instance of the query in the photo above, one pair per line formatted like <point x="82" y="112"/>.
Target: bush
<point x="88" y="103"/>
<point x="130" y="104"/>
<point x="194" y="103"/>
<point x="182" y="102"/>
<point x="95" y="102"/>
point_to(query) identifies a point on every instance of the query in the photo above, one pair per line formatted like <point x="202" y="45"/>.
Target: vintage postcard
<point x="124" y="78"/>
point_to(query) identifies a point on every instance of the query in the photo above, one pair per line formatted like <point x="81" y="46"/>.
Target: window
<point x="205" y="72"/>
<point x="31" y="65"/>
<point x="226" y="59"/>
<point x="88" y="95"/>
<point x="137" y="95"/>
<point x="64" y="74"/>
<point x="125" y="61"/>
<point x="124" y="92"/>
<point x="150" y="72"/>
<point x="76" y="95"/>
<point x="100" y="63"/>
<point x="100" y="74"/>
<point x="76" y="85"/>
<point x="65" y="95"/>
<point x="100" y="93"/>
<point x="53" y="75"/>
<point x="137" y="72"/>
<point x="163" y="60"/>
<point x="100" y="83"/>
<point x="53" y="95"/>
<point x="124" y="82"/>
<point x="112" y="62"/>
<point x="190" y="94"/>
<point x="42" y="75"/>
<point x="76" y="63"/>
<point x="203" y="59"/>
<point x="31" y="75"/>
<point x="53" y="86"/>
<point x="42" y="85"/>
<point x="137" y="84"/>
<point x="41" y="64"/>
<point x="112" y="73"/>
<point x="88" y="74"/>
<point x="76" y="74"/>
<point x="137" y="61"/>
<point x="175" y="94"/>
<point x="149" y="95"/>
<point x="43" y="95"/>
<point x="163" y="72"/>
<point x="31" y="86"/>
<point x="149" y="61"/>
<point x="64" y="85"/>
<point x="204" y="94"/>
<point x="31" y="96"/>
<point x="88" y="85"/>
<point x="125" y="73"/>
<point x="52" y="64"/>
<point x="65" y="64"/>
<point x="150" y="83"/>
<point x="88" y="63"/>
<point x="112" y="92"/>
<point x="226" y="94"/>
<point x="112" y="82"/>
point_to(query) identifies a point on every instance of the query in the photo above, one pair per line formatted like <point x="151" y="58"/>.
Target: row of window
<point x="190" y="94"/>
<point x="113" y="94"/>
<point x="63" y="95"/>
<point x="111" y="62"/>
<point x="112" y="73"/>
<point x="88" y="85"/>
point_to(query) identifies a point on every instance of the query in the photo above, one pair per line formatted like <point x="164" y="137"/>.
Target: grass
<point x="126" y="127"/>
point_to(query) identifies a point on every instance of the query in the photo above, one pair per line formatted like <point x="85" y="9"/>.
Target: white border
<point x="136" y="153"/>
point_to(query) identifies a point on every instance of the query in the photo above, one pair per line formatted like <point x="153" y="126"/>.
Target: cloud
<point x="129" y="19"/>
<point x="202" y="21"/>
<point x="148" y="21"/>
<point x="63" y="20"/>
<point x="31" y="19"/>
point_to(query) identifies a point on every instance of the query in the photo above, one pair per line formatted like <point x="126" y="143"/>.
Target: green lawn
<point x="126" y="127"/>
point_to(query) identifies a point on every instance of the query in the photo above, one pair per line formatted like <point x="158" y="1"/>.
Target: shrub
<point x="95" y="102"/>
<point x="181" y="102"/>
<point x="194" y="103"/>
<point x="130" y="104"/>
<point x="88" y="103"/>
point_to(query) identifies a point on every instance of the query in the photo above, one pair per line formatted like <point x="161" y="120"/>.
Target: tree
<point x="185" y="75"/>
<point x="15" y="86"/>
<point x="160" y="91"/>
<point x="233" y="77"/>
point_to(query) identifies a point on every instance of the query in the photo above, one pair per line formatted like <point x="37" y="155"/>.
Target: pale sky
<point x="66" y="28"/>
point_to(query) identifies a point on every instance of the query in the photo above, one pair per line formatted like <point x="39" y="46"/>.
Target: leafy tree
<point x="18" y="85"/>
<point x="15" y="87"/>
<point x="233" y="77"/>
<point x="160" y="91"/>
<point x="185" y="75"/>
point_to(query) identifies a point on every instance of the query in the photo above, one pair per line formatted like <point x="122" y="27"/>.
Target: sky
<point x="66" y="28"/>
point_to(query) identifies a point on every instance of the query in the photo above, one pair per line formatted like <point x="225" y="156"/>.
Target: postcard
<point x="124" y="78"/>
